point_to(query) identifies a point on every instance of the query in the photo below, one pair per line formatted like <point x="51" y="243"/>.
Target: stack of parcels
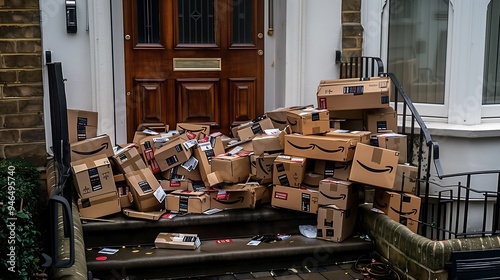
<point x="313" y="160"/>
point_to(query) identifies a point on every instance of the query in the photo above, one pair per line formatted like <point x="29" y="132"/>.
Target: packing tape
<point x="377" y="155"/>
<point x="329" y="215"/>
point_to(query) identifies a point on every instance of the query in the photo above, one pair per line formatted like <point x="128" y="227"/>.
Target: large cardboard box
<point x="336" y="169"/>
<point x="380" y="120"/>
<point x="93" y="176"/>
<point x="81" y="125"/>
<point x="198" y="131"/>
<point x="262" y="167"/>
<point x="147" y="191"/>
<point x="319" y="147"/>
<point x="188" y="202"/>
<point x="403" y="209"/>
<point x="343" y="194"/>
<point x="395" y="142"/>
<point x="91" y="147"/>
<point x="205" y="152"/>
<point x="278" y="116"/>
<point x="289" y="170"/>
<point x="250" y="195"/>
<point x="99" y="205"/>
<point x="374" y="166"/>
<point x="173" y="153"/>
<point x="309" y="121"/>
<point x="336" y="224"/>
<point x="359" y="136"/>
<point x="353" y="94"/>
<point x="232" y="169"/>
<point x="255" y="128"/>
<point x="304" y="200"/>
<point x="186" y="241"/>
<point x="406" y="179"/>
<point x="128" y="159"/>
<point x="270" y="143"/>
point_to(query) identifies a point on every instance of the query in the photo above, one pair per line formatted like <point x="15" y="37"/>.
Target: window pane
<point x="491" y="71"/>
<point x="148" y="21"/>
<point x="196" y="22"/>
<point x="417" y="47"/>
<point x="242" y="21"/>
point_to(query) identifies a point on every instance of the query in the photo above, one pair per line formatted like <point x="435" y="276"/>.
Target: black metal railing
<point x="445" y="215"/>
<point x="60" y="201"/>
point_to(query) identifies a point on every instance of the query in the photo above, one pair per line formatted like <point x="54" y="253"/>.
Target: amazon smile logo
<point x="312" y="146"/>
<point x="277" y="121"/>
<point x="292" y="124"/>
<point x="412" y="212"/>
<point x="104" y="146"/>
<point x="341" y="197"/>
<point x="264" y="169"/>
<point x="239" y="200"/>
<point x="197" y="130"/>
<point x="374" y="170"/>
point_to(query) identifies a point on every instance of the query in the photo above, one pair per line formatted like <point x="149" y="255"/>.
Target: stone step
<point x="234" y="223"/>
<point x="213" y="258"/>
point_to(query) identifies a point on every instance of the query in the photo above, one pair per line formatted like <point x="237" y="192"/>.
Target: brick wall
<point x="352" y="31"/>
<point x="21" y="94"/>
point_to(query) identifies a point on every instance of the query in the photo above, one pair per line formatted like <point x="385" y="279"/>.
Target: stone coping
<point x="429" y="253"/>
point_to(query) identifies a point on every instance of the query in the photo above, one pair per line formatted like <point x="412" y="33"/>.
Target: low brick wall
<point x="413" y="255"/>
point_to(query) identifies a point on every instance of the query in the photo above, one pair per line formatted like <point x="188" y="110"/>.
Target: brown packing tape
<point x="333" y="187"/>
<point x="377" y="155"/>
<point x="329" y="215"/>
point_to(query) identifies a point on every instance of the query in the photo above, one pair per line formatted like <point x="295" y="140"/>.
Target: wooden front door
<point x="198" y="61"/>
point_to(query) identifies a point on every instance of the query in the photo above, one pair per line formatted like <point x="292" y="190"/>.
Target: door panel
<point x="197" y="61"/>
<point x="198" y="101"/>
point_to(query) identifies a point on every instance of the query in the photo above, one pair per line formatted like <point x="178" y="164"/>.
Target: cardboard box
<point x="188" y="202"/>
<point x="213" y="179"/>
<point x="270" y="143"/>
<point x="336" y="224"/>
<point x="395" y="142"/>
<point x="175" y="184"/>
<point x="205" y="152"/>
<point x="250" y="195"/>
<point x="91" y="147"/>
<point x="198" y="131"/>
<point x="255" y="128"/>
<point x="93" y="176"/>
<point x="278" y="116"/>
<point x="319" y="147"/>
<point x="232" y="169"/>
<point x="358" y="136"/>
<point x="126" y="200"/>
<point x="81" y="125"/>
<point x="128" y="159"/>
<point x="99" y="205"/>
<point x="343" y="194"/>
<point x="402" y="209"/>
<point x="374" y="166"/>
<point x="150" y="215"/>
<point x="172" y="154"/>
<point x="296" y="199"/>
<point x="381" y="120"/>
<point x="289" y="170"/>
<point x="184" y="241"/>
<point x="410" y="179"/>
<point x="309" y="121"/>
<point x="262" y="167"/>
<point x="336" y="169"/>
<point x="147" y="192"/>
<point x="353" y="94"/>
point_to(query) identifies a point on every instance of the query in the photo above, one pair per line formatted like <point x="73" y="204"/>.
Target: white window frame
<point x="464" y="62"/>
